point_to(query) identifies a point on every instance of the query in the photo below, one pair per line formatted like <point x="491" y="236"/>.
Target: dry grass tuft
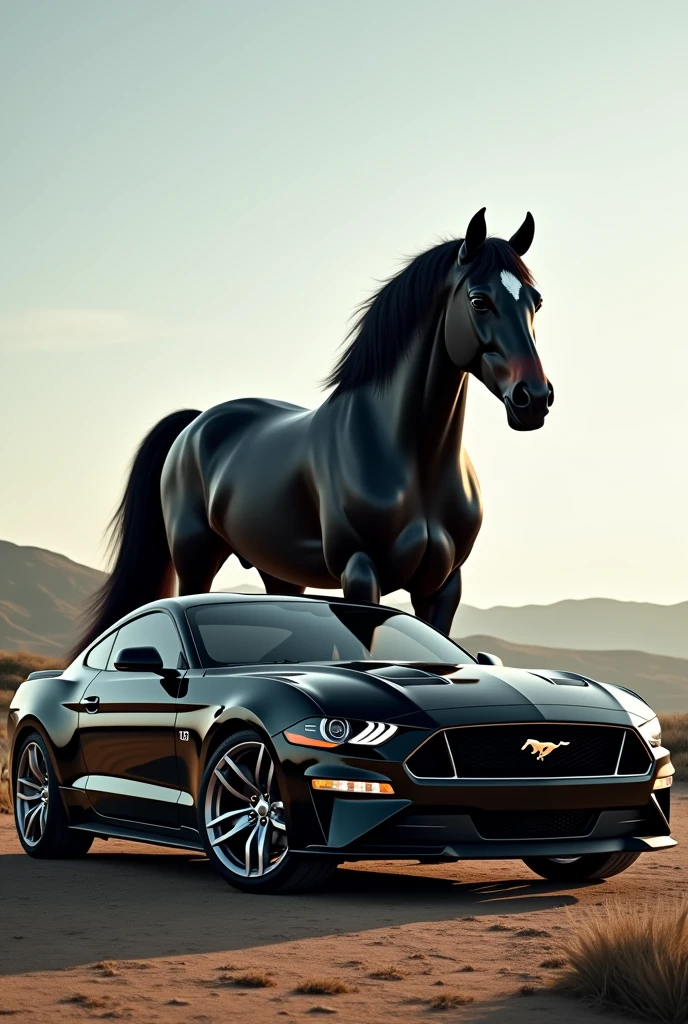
<point x="388" y="974"/>
<point x="88" y="1002"/>
<point x="449" y="1001"/>
<point x="5" y="803"/>
<point x="251" y="979"/>
<point x="107" y="968"/>
<point x="466" y="969"/>
<point x="500" y="928"/>
<point x="533" y="933"/>
<point x="527" y="990"/>
<point x="554" y="963"/>
<point x="323" y="987"/>
<point x="632" y="962"/>
<point x="675" y="737"/>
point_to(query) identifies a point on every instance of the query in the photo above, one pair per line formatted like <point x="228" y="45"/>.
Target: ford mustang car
<point x="286" y="735"/>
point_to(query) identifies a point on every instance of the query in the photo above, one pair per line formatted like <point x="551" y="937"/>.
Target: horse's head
<point x="489" y="323"/>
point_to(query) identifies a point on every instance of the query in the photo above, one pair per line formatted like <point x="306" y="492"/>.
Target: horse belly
<point x="262" y="507"/>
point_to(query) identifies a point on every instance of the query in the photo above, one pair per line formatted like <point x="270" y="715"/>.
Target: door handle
<point x="90" y="704"/>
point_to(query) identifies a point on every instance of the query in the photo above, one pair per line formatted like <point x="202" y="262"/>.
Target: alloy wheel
<point x="32" y="794"/>
<point x="244" y="815"/>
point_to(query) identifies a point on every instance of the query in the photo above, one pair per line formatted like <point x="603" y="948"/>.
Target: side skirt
<point x="187" y="839"/>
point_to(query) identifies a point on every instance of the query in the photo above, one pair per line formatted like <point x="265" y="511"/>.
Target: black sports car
<point x="285" y="735"/>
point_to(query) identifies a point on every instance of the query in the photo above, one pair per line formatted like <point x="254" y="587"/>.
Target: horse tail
<point x="142" y="569"/>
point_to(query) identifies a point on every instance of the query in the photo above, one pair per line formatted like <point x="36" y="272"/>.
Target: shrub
<point x="633" y="962"/>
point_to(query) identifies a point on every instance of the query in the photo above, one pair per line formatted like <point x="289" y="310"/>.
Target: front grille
<point x="534" y="824"/>
<point x="512" y="752"/>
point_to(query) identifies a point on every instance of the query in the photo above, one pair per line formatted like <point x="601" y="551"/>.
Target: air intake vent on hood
<point x="560" y="678"/>
<point x="409" y="675"/>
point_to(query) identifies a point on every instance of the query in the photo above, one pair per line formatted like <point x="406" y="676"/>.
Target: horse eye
<point x="479" y="303"/>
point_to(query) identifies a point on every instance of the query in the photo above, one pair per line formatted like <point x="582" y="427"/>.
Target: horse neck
<point x="425" y="402"/>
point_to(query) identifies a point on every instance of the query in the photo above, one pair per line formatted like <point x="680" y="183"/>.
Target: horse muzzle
<point x="527" y="404"/>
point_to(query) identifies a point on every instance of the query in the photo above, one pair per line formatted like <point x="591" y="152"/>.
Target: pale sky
<point x="194" y="197"/>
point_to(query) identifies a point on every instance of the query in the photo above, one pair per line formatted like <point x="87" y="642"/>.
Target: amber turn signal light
<point x="308" y="741"/>
<point x="663" y="783"/>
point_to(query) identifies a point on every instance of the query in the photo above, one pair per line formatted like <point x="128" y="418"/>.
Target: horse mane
<point x="384" y="323"/>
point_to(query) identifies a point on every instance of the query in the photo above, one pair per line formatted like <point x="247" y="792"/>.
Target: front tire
<point x="242" y="821"/>
<point x="39" y="814"/>
<point x="581" y="869"/>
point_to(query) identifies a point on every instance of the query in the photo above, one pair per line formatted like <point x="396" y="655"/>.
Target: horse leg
<point x="273" y="585"/>
<point x="197" y="557"/>
<point x="360" y="580"/>
<point x="439" y="608"/>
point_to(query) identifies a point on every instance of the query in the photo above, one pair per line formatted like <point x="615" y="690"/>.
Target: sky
<point x="194" y="198"/>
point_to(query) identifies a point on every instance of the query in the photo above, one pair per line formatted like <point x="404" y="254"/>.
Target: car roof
<point x="227" y="596"/>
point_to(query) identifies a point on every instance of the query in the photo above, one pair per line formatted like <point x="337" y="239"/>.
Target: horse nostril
<point x="520" y="396"/>
<point x="550" y="396"/>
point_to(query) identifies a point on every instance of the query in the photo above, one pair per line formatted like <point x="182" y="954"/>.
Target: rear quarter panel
<point x="51" y="708"/>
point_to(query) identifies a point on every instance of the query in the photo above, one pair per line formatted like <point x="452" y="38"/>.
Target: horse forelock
<point x="385" y="323"/>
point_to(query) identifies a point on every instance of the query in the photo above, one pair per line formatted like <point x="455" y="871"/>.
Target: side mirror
<point x="142" y="659"/>
<point x="488" y="659"/>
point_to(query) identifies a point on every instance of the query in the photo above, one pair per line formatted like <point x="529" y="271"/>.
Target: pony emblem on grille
<point x="543" y="749"/>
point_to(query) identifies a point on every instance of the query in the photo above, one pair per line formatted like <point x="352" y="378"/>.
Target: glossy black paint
<point x="129" y="749"/>
<point x="371" y="492"/>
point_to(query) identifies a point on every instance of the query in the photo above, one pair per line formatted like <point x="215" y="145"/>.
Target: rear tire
<point x="581" y="869"/>
<point x="39" y="814"/>
<point x="242" y="823"/>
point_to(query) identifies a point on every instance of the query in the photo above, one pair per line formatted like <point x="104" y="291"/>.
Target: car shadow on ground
<point x="131" y="906"/>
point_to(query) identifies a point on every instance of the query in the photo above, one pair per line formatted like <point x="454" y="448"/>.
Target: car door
<point x="126" y="728"/>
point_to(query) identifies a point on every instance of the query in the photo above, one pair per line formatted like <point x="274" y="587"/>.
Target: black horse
<point x="372" y="491"/>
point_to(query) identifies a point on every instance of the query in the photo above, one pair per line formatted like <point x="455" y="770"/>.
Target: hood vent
<point x="559" y="678"/>
<point x="409" y="675"/>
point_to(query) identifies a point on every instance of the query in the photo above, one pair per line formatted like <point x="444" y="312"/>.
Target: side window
<point x="153" y="630"/>
<point x="98" y="656"/>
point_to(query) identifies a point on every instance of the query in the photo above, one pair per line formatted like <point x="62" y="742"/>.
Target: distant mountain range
<point x="662" y="681"/>
<point x="596" y="624"/>
<point x="43" y="594"/>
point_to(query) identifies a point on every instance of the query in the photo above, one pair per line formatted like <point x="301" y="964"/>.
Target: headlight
<point x="332" y="732"/>
<point x="651" y="732"/>
<point x="335" y="729"/>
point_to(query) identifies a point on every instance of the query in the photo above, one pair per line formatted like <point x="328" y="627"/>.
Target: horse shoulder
<point x="358" y="465"/>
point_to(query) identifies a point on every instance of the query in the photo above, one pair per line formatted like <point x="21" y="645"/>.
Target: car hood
<point x="389" y="690"/>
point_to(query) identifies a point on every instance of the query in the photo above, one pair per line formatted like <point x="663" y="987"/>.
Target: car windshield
<point x="275" y="633"/>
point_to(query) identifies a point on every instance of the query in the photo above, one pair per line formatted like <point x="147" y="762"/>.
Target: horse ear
<point x="523" y="239"/>
<point x="476" y="233"/>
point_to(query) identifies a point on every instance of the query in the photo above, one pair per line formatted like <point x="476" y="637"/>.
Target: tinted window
<point x="154" y="630"/>
<point x="276" y="633"/>
<point x="98" y="656"/>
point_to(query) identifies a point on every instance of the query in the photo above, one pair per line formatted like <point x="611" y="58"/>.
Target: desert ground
<point x="148" y="934"/>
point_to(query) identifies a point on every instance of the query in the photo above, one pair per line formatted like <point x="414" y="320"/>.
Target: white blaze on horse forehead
<point x="511" y="283"/>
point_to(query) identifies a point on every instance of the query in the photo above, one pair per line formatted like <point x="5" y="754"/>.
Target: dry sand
<point x="147" y="934"/>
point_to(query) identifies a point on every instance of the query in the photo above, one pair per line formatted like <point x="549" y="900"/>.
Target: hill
<point x="591" y="625"/>
<point x="42" y="595"/>
<point x="661" y="681"/>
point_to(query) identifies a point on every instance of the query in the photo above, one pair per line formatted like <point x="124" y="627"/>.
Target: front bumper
<point x="458" y="819"/>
